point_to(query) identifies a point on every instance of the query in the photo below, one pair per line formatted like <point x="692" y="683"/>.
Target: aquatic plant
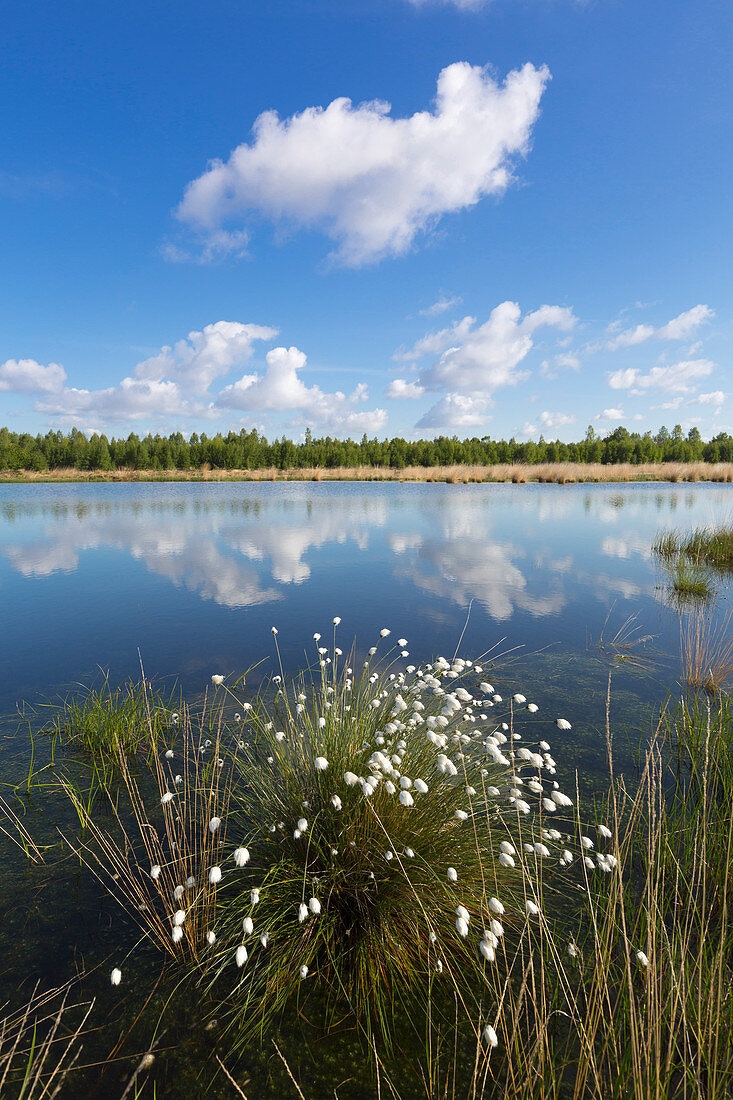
<point x="709" y="545"/>
<point x="354" y="835"/>
<point x="40" y="1044"/>
<point x="707" y="650"/>
<point x="106" y="722"/>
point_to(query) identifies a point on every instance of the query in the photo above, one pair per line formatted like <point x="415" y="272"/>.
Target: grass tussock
<point x="558" y="473"/>
<point x="107" y="721"/>
<point x="299" y="851"/>
<point x="707" y="650"/>
<point x="711" y="546"/>
<point x="360" y="838"/>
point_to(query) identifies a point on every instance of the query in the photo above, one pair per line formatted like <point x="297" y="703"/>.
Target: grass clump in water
<point x="703" y="545"/>
<point x="348" y="845"/>
<point x="104" y="721"/>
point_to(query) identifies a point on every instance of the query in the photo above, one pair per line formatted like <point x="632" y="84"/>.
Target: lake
<point x="190" y="578"/>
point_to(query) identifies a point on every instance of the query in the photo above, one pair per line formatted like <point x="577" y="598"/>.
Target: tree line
<point x="250" y="450"/>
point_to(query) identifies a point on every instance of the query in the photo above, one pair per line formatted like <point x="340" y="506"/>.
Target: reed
<point x="707" y="650"/>
<point x="40" y="1045"/>
<point x="560" y="473"/>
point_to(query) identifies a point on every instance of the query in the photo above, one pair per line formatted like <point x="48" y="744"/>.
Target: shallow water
<point x="190" y="578"/>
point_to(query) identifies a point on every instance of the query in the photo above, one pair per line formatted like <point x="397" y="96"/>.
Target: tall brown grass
<point x="174" y="836"/>
<point x="39" y="1047"/>
<point x="707" y="649"/>
<point x="560" y="473"/>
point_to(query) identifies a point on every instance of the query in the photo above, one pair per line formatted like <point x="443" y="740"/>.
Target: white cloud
<point x="401" y="389"/>
<point x="456" y="411"/>
<point x="474" y="361"/>
<point x="130" y="400"/>
<point x="611" y="414"/>
<point x="623" y="379"/>
<point x="631" y="336"/>
<point x="717" y="397"/>
<point x="435" y="342"/>
<point x="177" y="383"/>
<point x="674" y="376"/>
<point x="552" y="420"/>
<point x="563" y="361"/>
<point x="369" y="181"/>
<point x="28" y="376"/>
<point x="204" y="356"/>
<point x="215" y="246"/>
<point x="488" y="355"/>
<point x="441" y="306"/>
<point x="528" y="428"/>
<point x="280" y="389"/>
<point x="679" y="328"/>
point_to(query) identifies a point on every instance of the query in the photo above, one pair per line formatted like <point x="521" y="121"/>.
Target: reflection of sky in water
<point x="194" y="575"/>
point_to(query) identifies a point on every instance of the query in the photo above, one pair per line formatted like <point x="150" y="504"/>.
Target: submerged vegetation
<point x="389" y="853"/>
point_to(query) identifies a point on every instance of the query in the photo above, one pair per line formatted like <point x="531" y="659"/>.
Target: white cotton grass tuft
<point x="412" y="738"/>
<point x="167" y="797"/>
<point x="116" y="976"/>
<point x="155" y="871"/>
<point x="642" y="959"/>
<point x="216" y="679"/>
<point x="563" y="724"/>
<point x="303" y="972"/>
<point x="490" y="1037"/>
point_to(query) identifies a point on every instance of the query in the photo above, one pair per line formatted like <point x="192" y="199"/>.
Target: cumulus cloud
<point x="204" y="356"/>
<point x="130" y="400"/>
<point x="611" y="414"/>
<point x="369" y="181"/>
<point x="178" y="383"/>
<point x="475" y="360"/>
<point x="28" y="376"/>
<point x="488" y="356"/>
<point x="550" y="420"/>
<point x="673" y="376"/>
<point x="679" y="328"/>
<point x="717" y="397"/>
<point x="457" y="411"/>
<point x="280" y="389"/>
<point x="401" y="389"/>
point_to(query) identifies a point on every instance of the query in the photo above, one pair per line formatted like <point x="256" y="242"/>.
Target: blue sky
<point x="504" y="217"/>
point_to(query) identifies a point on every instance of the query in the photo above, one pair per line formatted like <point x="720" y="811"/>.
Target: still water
<point x="189" y="579"/>
<point x="194" y="576"/>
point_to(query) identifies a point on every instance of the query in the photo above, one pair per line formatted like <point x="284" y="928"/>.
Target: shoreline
<point x="560" y="473"/>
